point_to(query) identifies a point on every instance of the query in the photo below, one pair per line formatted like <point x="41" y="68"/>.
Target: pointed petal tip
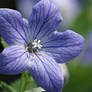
<point x="68" y="45"/>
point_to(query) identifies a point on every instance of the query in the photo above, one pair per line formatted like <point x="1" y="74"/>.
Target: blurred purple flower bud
<point x="86" y="56"/>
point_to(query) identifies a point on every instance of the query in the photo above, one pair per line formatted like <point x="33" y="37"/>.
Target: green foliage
<point x="80" y="79"/>
<point x="83" y="23"/>
<point x="24" y="83"/>
<point x="4" y="43"/>
<point x="6" y="87"/>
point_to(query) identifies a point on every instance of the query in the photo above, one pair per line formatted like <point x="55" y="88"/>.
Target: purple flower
<point x="86" y="57"/>
<point x="65" y="7"/>
<point x="36" y="46"/>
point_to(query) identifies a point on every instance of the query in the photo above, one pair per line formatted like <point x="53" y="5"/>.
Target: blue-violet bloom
<point x="86" y="56"/>
<point x="65" y="7"/>
<point x="35" y="46"/>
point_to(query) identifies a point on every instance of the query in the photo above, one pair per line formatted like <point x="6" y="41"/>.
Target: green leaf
<point x="7" y="87"/>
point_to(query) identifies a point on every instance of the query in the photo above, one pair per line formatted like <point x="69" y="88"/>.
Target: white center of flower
<point x="33" y="46"/>
<point x="36" y="44"/>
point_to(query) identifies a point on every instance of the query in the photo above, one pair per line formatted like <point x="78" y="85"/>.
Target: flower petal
<point x="14" y="60"/>
<point x="64" y="46"/>
<point x="28" y="6"/>
<point x="44" y="19"/>
<point x="47" y="73"/>
<point x="13" y="27"/>
<point x="65" y="73"/>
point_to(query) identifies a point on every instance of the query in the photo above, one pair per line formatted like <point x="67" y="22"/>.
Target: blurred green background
<point x="80" y="76"/>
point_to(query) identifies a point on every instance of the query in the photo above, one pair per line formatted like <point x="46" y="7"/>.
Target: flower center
<point x="33" y="46"/>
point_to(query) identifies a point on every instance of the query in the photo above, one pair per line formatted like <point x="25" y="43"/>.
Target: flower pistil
<point x="33" y="46"/>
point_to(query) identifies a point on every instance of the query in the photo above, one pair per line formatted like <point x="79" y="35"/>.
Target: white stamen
<point x="33" y="46"/>
<point x="36" y="44"/>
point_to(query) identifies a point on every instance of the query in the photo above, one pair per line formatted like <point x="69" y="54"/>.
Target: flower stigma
<point x="33" y="46"/>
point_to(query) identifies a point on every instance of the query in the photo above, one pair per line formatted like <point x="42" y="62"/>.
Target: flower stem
<point x="21" y="83"/>
<point x="26" y="80"/>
